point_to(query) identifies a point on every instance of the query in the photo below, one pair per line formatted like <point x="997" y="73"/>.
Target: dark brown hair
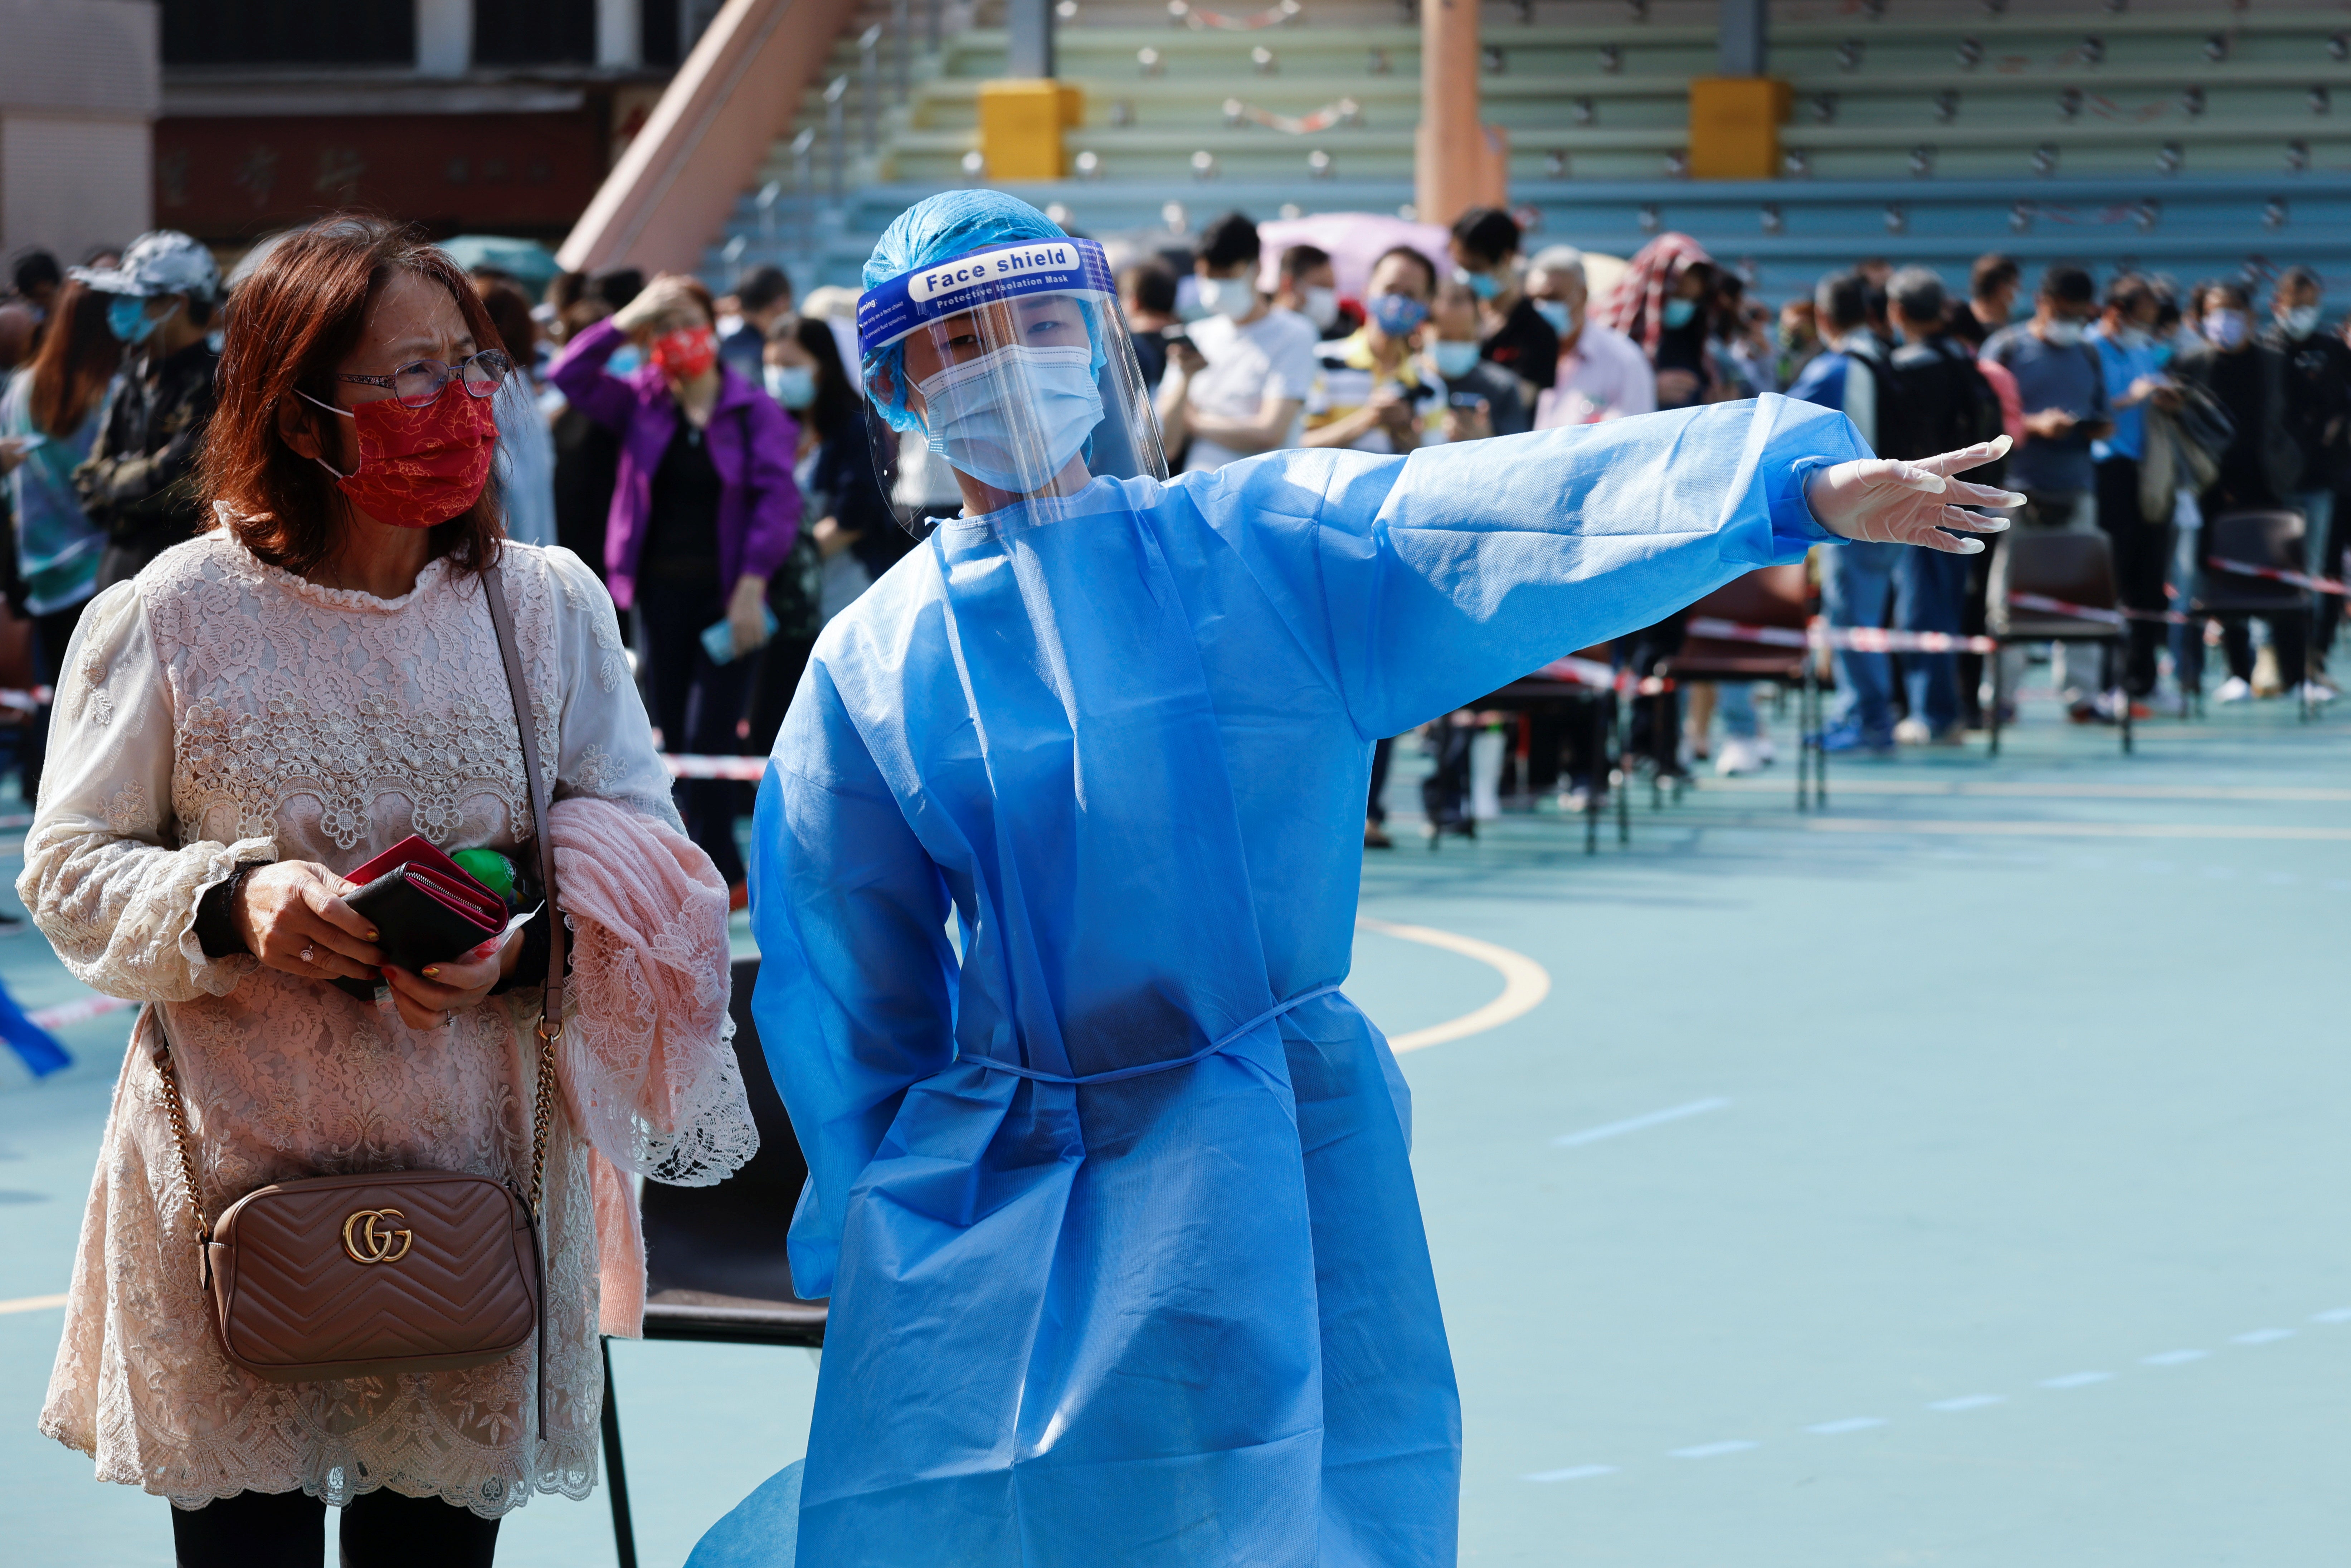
<point x="509" y="309"/>
<point x="293" y="319"/>
<point x="78" y="356"/>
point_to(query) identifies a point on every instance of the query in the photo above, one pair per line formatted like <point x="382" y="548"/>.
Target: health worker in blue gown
<point x="1111" y="1192"/>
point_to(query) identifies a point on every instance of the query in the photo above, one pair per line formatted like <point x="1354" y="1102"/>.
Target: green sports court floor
<point x="1956" y="1177"/>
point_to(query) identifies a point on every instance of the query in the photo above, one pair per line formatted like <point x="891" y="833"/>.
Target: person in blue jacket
<point x="1110" y="1191"/>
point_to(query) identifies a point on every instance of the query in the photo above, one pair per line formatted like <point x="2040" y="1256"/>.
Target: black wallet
<point x="425" y="910"/>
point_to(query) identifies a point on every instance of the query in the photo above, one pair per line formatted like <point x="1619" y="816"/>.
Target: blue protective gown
<point x="1182" y="1317"/>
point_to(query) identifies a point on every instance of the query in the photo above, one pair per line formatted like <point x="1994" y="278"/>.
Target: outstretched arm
<point x="1424" y="583"/>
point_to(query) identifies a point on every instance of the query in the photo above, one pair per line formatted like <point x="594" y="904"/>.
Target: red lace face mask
<point x="419" y="467"/>
<point x="686" y="353"/>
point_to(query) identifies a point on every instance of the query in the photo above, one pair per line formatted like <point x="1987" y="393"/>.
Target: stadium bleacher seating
<point x="2190" y="137"/>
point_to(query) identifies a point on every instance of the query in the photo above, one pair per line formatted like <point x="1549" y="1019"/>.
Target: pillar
<point x="1022" y="116"/>
<point x="1735" y="118"/>
<point x="619" y="34"/>
<point x="445" y="37"/>
<point x="1458" y="161"/>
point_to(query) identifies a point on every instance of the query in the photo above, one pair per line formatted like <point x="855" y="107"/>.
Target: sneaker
<point x="1376" y="837"/>
<point x="1912" y="732"/>
<point x="1765" y="752"/>
<point x="1846" y="735"/>
<point x="1738" y="757"/>
<point x="2235" y="689"/>
<point x="2317" y="692"/>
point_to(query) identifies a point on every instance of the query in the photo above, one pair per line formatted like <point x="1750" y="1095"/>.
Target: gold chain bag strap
<point x="370" y="1275"/>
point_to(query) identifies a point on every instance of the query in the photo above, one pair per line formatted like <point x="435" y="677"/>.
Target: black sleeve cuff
<point x="530" y="968"/>
<point x="216" y="915"/>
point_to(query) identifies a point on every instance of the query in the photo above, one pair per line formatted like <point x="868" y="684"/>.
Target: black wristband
<point x="216" y="931"/>
<point x="530" y="968"/>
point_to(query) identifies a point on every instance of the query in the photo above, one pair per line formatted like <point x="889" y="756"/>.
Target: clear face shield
<point x="1001" y="376"/>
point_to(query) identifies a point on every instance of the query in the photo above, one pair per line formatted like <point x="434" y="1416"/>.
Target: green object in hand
<point x="489" y="868"/>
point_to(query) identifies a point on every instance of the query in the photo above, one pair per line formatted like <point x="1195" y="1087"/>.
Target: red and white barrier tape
<point x="76" y="1010"/>
<point x="749" y="770"/>
<point x="1200" y="19"/>
<point x="2049" y="606"/>
<point x="2278" y="574"/>
<point x="1577" y="672"/>
<point x="1855" y="639"/>
<point x="1344" y="111"/>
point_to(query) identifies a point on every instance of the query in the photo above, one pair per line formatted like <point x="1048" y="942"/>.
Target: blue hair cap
<point x="940" y="228"/>
<point x="952" y="224"/>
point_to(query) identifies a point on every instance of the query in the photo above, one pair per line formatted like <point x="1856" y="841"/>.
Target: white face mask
<point x="2299" y="320"/>
<point x="967" y="410"/>
<point x="1231" y="298"/>
<point x="794" y="386"/>
<point x="2061" y="331"/>
<point x="1454" y="359"/>
<point x="2226" y="329"/>
<point x="2127" y="338"/>
<point x="1321" y="306"/>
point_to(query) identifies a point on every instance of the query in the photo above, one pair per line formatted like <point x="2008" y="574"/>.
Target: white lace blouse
<point x="220" y="710"/>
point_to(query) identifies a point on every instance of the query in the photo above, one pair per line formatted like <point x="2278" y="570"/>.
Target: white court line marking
<point x="1636" y="1124"/>
<point x="1525" y="983"/>
<point x="2172" y="1358"/>
<point x="2262" y="1336"/>
<point x="2332" y="1315"/>
<point x="32" y="1303"/>
<point x="1969" y="1402"/>
<point x="1897" y="827"/>
<point x="1713" y="1450"/>
<point x="1574" y="1473"/>
<point x="1850" y="1423"/>
<point x="2076" y="1380"/>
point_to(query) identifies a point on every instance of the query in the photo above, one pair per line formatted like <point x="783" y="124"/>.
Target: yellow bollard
<point x="1734" y="127"/>
<point x="1020" y="126"/>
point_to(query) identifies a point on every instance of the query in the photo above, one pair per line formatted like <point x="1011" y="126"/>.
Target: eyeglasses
<point x="418" y="383"/>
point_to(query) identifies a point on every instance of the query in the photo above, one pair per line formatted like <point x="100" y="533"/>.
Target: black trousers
<point x="289" y="1530"/>
<point x="1374" y="812"/>
<point x="1656" y="720"/>
<point x="694" y="703"/>
<point x="2142" y="565"/>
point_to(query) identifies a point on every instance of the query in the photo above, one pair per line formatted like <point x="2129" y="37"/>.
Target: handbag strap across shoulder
<point x="550" y="1015"/>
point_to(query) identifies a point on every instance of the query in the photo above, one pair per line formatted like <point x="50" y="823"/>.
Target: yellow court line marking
<point x="1525" y="983"/>
<point x="31" y="1304"/>
<point x="2039" y="791"/>
<point x="2074" y="830"/>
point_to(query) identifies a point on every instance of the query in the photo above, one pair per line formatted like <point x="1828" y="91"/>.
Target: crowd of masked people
<point x="707" y="457"/>
<point x="2136" y="410"/>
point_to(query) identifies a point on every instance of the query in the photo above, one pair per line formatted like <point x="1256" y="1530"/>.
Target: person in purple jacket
<point x="704" y="511"/>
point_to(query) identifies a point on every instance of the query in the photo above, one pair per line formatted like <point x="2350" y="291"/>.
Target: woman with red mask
<point x="704" y="511"/>
<point x="261" y="711"/>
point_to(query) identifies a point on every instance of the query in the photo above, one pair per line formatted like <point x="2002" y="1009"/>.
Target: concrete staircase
<point x="2192" y="137"/>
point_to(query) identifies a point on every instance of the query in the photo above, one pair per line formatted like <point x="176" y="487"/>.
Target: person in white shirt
<point x="1603" y="374"/>
<point x="1240" y="387"/>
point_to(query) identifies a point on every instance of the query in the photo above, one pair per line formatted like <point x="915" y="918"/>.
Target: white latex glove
<point x="1880" y="500"/>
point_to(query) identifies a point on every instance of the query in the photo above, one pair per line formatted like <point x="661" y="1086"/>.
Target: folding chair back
<point x="2077" y="568"/>
<point x="2273" y="539"/>
<point x="722" y="1247"/>
<point x="1775" y="596"/>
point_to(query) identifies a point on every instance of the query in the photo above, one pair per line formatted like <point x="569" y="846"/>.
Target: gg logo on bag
<point x="374" y="1242"/>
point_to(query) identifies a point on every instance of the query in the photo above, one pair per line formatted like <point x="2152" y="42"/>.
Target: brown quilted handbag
<point x="370" y="1275"/>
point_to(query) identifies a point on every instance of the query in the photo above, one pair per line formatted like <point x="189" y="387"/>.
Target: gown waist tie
<point x="1228" y="1039"/>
